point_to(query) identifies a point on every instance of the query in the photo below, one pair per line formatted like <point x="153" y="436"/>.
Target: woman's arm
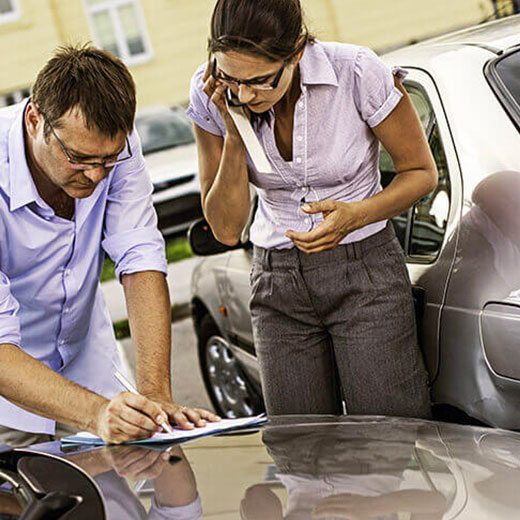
<point x="224" y="184"/>
<point x="223" y="171"/>
<point x="402" y="135"/>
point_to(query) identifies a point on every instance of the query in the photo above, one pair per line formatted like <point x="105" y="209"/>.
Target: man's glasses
<point x="252" y="84"/>
<point x="78" y="164"/>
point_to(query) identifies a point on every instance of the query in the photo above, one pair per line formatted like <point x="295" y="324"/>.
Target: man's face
<point x="70" y="136"/>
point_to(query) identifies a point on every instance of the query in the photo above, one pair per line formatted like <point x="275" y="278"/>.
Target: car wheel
<point x="227" y="385"/>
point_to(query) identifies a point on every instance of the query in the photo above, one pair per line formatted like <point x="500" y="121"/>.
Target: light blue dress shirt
<point x="51" y="303"/>
<point x="346" y="90"/>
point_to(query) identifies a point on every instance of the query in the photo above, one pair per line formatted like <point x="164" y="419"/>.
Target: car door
<point x="237" y="292"/>
<point x="425" y="229"/>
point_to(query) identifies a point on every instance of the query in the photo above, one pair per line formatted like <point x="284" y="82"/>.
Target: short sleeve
<point x="375" y="93"/>
<point x="201" y="110"/>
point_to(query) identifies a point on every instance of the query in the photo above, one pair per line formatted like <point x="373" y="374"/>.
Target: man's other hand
<point x="185" y="417"/>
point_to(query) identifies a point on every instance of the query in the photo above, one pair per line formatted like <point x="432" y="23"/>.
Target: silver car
<point x="170" y="153"/>
<point x="462" y="241"/>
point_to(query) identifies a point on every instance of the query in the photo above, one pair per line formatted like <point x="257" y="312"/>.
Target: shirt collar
<point x="23" y="190"/>
<point x="316" y="68"/>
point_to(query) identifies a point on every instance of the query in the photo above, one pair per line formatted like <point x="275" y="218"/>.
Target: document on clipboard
<point x="178" y="436"/>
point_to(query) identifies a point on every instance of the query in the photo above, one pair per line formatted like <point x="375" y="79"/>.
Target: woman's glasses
<point x="254" y="84"/>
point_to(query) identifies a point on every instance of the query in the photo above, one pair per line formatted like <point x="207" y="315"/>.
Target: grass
<point x="176" y="249"/>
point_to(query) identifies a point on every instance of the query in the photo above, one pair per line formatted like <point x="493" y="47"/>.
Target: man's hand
<point x="136" y="462"/>
<point x="184" y="417"/>
<point x="129" y="417"/>
<point x="339" y="219"/>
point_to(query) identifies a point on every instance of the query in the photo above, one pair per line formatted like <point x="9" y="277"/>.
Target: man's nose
<point x="245" y="94"/>
<point x="96" y="174"/>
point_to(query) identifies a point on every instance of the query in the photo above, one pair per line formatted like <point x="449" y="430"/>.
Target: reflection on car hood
<point x="172" y="163"/>
<point x="374" y="467"/>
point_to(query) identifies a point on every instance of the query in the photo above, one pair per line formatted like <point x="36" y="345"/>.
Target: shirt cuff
<point x="191" y="511"/>
<point x="137" y="250"/>
<point x="10" y="330"/>
<point x="385" y="109"/>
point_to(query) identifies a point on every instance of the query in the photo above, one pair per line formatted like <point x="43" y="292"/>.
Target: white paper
<point x="178" y="434"/>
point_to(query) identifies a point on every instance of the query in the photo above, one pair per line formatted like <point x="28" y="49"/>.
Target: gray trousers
<point x="338" y="324"/>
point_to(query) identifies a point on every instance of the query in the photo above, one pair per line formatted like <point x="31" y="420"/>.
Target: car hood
<point x="172" y="163"/>
<point x="373" y="466"/>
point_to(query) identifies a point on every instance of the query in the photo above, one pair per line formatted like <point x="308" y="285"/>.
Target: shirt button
<point x="299" y="138"/>
<point x="62" y="342"/>
<point x="304" y="188"/>
<point x="300" y="104"/>
<point x="298" y="160"/>
<point x="307" y="221"/>
<point x="67" y="310"/>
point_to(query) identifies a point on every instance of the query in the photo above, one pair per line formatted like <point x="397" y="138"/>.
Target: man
<point x="73" y="185"/>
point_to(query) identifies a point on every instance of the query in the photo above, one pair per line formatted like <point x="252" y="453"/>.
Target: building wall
<point x="25" y="44"/>
<point x="178" y="31"/>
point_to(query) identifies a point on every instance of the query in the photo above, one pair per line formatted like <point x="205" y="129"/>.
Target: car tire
<point x="227" y="385"/>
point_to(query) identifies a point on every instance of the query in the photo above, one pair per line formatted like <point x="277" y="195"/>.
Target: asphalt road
<point x="187" y="386"/>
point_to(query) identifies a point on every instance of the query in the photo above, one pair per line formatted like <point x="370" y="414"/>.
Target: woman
<point x="331" y="302"/>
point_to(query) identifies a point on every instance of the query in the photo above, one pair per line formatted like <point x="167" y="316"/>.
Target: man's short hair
<point x="92" y="80"/>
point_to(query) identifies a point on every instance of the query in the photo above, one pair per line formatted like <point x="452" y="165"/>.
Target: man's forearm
<point x="148" y="305"/>
<point x="32" y="385"/>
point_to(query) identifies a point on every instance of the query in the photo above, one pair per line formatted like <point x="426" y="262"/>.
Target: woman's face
<point x="248" y="67"/>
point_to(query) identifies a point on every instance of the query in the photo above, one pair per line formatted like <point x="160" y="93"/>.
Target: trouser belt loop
<point x="267" y="260"/>
<point x="358" y="250"/>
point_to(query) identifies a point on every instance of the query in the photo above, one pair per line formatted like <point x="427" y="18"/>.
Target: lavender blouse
<point x="345" y="91"/>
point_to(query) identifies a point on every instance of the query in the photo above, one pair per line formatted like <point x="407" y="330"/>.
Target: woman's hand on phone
<point x="216" y="91"/>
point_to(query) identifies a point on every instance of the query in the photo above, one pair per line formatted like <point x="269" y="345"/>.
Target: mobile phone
<point x="232" y="100"/>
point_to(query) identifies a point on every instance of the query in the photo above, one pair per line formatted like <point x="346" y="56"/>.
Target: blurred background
<point x="163" y="41"/>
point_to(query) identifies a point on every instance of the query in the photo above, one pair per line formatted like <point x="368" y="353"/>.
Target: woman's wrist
<point x="233" y="139"/>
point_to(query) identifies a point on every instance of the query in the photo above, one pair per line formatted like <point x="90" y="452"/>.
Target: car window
<point x="503" y="73"/>
<point x="421" y="229"/>
<point x="163" y="130"/>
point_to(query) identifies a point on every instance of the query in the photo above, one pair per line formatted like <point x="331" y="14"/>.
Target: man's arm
<point x="32" y="385"/>
<point x="148" y="305"/>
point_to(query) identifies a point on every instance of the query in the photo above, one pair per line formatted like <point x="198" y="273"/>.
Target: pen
<point x="124" y="381"/>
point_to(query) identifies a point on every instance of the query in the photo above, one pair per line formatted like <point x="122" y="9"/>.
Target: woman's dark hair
<point x="273" y="29"/>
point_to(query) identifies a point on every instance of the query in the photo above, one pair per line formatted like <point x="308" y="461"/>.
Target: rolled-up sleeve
<point x="191" y="511"/>
<point x="201" y="109"/>
<point x="130" y="234"/>
<point x="9" y="322"/>
<point x="375" y="93"/>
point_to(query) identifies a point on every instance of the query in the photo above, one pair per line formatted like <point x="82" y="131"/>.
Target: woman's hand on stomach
<point x="339" y="219"/>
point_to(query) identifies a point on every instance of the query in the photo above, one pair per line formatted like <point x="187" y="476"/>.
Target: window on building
<point x="9" y="11"/>
<point x="119" y="27"/>
<point x="421" y="229"/>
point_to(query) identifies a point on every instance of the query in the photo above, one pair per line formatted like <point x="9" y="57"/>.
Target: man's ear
<point x="33" y="119"/>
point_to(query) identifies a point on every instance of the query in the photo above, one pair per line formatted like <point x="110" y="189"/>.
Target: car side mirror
<point x="203" y="242"/>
